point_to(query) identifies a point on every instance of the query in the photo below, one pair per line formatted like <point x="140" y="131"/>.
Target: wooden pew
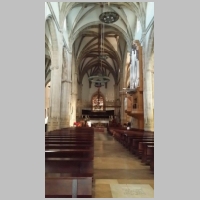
<point x="68" y="187"/>
<point x="71" y="130"/>
<point x="128" y="136"/>
<point x="137" y="141"/>
<point x="69" y="165"/>
<point x="70" y="137"/>
<point x="72" y="145"/>
<point x="68" y="146"/>
<point x="144" y="151"/>
<point x="135" y="144"/>
<point x="142" y="145"/>
<point x="150" y="156"/>
<point x="70" y="142"/>
<point x="66" y="134"/>
<point x="147" y="137"/>
<point x="125" y="137"/>
<point x="69" y="152"/>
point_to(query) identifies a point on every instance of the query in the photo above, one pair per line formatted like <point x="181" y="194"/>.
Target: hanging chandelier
<point x="109" y="17"/>
<point x="103" y="57"/>
<point x="100" y="79"/>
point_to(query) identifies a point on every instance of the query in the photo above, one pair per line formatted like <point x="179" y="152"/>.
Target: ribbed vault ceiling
<point x="85" y="30"/>
<point x="91" y="38"/>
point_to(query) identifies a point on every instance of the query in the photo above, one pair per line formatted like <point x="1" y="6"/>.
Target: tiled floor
<point x="117" y="173"/>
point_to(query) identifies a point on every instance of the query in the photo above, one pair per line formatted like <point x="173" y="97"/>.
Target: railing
<point x="99" y="119"/>
<point x="111" y="103"/>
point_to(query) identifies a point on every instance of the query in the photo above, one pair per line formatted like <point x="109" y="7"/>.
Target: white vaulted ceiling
<point x="83" y="30"/>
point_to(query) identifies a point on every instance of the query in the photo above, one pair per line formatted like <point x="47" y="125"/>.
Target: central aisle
<point x="115" y="167"/>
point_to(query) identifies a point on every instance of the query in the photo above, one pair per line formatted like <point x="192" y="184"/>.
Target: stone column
<point x="122" y="109"/>
<point x="148" y="97"/>
<point x="79" y="102"/>
<point x="116" y="96"/>
<point x="66" y="90"/>
<point x="122" y="85"/>
<point x="79" y="91"/>
<point x="73" y="94"/>
<point x="55" y="90"/>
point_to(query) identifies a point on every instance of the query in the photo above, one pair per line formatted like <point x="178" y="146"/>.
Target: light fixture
<point x="109" y="17"/>
<point x="103" y="57"/>
<point x="100" y="78"/>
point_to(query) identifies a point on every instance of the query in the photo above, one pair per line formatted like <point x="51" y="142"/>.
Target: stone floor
<point x="118" y="173"/>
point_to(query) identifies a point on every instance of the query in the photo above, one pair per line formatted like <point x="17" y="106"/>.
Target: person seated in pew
<point x="125" y="124"/>
<point x="128" y="125"/>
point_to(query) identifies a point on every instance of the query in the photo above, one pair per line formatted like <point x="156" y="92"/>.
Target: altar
<point x="100" y="129"/>
<point x="100" y="126"/>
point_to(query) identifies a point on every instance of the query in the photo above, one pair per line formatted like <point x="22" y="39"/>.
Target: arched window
<point x="98" y="101"/>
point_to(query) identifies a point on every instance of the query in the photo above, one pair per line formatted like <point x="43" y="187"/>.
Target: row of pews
<point x="69" y="155"/>
<point x="138" y="142"/>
